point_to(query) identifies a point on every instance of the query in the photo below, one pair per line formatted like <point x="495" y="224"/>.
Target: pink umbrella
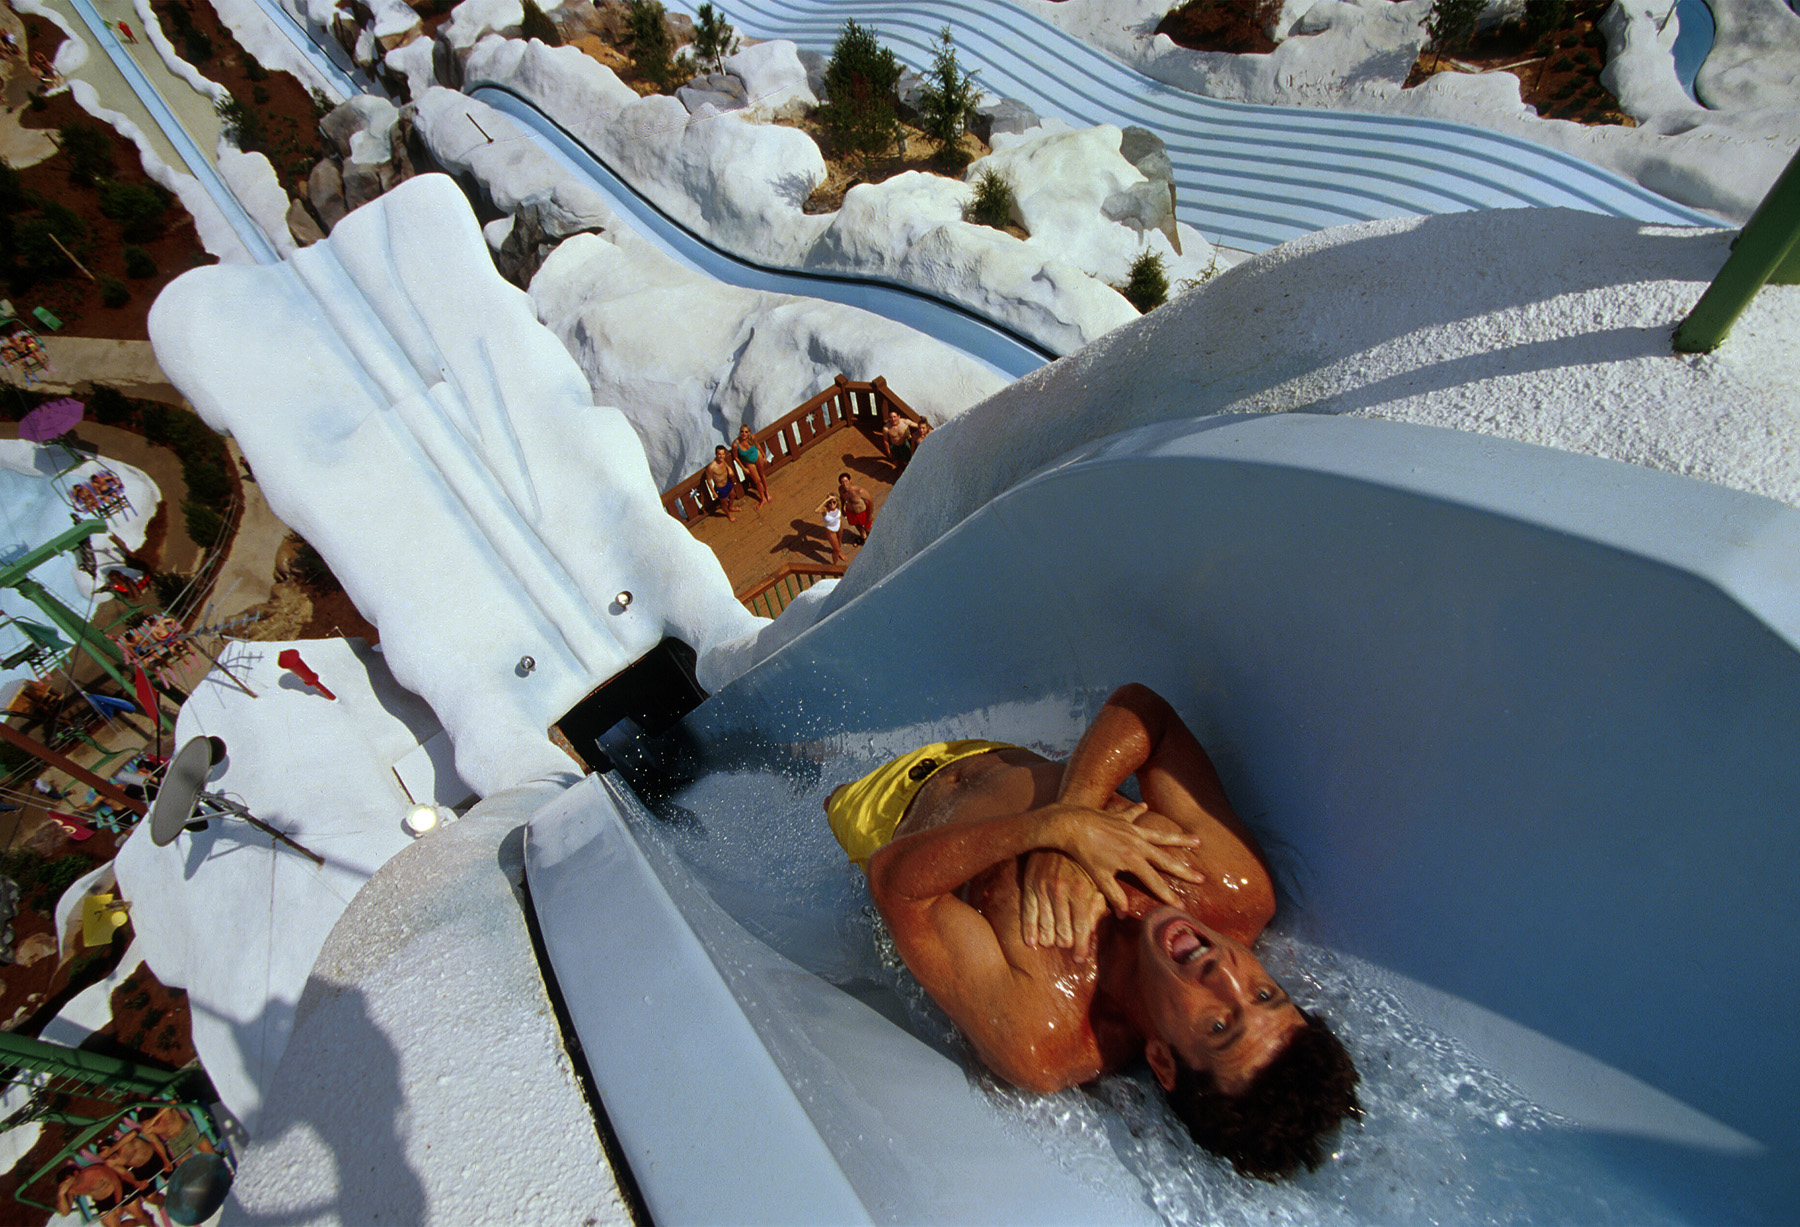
<point x="50" y="420"/>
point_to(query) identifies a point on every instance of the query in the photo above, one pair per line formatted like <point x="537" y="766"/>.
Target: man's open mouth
<point x="1181" y="941"/>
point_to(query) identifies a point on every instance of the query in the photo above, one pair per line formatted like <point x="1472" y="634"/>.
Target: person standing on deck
<point x="859" y="506"/>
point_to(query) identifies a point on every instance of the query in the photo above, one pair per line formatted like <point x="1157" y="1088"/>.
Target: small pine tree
<point x="993" y="204"/>
<point x="1451" y="24"/>
<point x="537" y="24"/>
<point x="88" y="149"/>
<point x="949" y="99"/>
<point x="241" y="123"/>
<point x="113" y="292"/>
<point x="714" y="38"/>
<point x="859" y="94"/>
<point x="1148" y="288"/>
<point x="651" y="46"/>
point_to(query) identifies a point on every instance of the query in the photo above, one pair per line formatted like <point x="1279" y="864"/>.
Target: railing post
<point x="1765" y="250"/>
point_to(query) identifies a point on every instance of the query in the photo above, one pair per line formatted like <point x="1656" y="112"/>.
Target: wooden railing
<point x="846" y="402"/>
<point x="770" y="596"/>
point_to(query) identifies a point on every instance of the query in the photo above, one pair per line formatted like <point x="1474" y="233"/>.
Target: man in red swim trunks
<point x="1070" y="931"/>
<point x="858" y="504"/>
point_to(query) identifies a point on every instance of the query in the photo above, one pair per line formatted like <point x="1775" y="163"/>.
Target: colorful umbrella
<point x="50" y="420"/>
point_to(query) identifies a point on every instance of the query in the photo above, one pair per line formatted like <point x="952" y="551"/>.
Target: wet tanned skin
<point x="1017" y="889"/>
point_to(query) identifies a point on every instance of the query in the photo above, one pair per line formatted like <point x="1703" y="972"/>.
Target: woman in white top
<point x="834" y="523"/>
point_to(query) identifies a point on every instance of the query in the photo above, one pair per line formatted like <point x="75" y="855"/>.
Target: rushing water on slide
<point x="1443" y="1140"/>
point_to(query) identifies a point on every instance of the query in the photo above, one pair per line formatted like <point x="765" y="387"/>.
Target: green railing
<point x="770" y="596"/>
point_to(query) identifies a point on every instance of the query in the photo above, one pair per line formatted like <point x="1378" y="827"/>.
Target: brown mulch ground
<point x="1562" y="82"/>
<point x="1237" y="26"/>
<point x="285" y="114"/>
<point x="73" y="298"/>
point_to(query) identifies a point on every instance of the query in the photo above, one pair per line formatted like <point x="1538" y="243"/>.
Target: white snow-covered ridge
<point x="1547" y="326"/>
<point x="741" y="355"/>
<point x="407" y="415"/>
<point x="740" y="185"/>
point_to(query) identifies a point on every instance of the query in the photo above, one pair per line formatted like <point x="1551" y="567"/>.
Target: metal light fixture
<point x="624" y="599"/>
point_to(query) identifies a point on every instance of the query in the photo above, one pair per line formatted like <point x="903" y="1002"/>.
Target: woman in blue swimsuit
<point x="750" y="457"/>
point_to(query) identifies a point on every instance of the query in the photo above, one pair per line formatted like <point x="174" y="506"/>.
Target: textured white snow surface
<point x="408" y="416"/>
<point x="737" y="355"/>
<point x="426" y="1081"/>
<point x="740" y="185"/>
<point x="227" y="913"/>
<point x="1546" y="326"/>
<point x="1356" y="57"/>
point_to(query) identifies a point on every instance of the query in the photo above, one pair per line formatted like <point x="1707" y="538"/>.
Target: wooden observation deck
<point x="775" y="551"/>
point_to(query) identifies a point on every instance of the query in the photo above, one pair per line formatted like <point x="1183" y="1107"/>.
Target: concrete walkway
<point x="129" y="366"/>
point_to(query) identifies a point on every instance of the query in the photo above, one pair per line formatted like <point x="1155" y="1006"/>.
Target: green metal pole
<point x="104" y="651"/>
<point x="1766" y="250"/>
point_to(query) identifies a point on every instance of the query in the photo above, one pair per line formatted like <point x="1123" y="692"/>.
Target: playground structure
<point x="22" y="351"/>
<point x="133" y="1127"/>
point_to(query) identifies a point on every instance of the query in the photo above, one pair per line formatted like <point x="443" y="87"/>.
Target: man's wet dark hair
<point x="1281" y="1119"/>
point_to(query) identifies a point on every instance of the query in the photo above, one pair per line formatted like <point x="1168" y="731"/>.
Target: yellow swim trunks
<point x="865" y="813"/>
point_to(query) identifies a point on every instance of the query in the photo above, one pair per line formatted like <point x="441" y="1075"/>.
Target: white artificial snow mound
<point x="252" y="180"/>
<point x="1356" y="57"/>
<point x="407" y="415"/>
<point x="257" y="33"/>
<point x="743" y="355"/>
<point x="204" y="86"/>
<point x="741" y="186"/>
<point x="473" y="20"/>
<point x="774" y="78"/>
<point x="235" y="918"/>
<point x="426" y="1081"/>
<point x="1546" y="326"/>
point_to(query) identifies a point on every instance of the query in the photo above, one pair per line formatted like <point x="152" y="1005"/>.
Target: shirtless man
<point x="897" y="439"/>
<point x="1069" y="931"/>
<point x="859" y="505"/>
<point x="724" y="481"/>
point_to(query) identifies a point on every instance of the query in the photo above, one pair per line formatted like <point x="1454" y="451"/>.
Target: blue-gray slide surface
<point x="1247" y="176"/>
<point x="1517" y="726"/>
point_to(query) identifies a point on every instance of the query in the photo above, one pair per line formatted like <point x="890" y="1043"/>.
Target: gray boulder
<point x="1002" y="115"/>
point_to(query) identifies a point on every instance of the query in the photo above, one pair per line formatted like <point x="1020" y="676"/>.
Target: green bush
<point x="168" y="586"/>
<point x="113" y="292"/>
<point x="714" y="37"/>
<point x="89" y="150"/>
<point x="1148" y="288"/>
<point x="1452" y="23"/>
<point x="993" y="204"/>
<point x="537" y="24"/>
<point x="42" y="880"/>
<point x="139" y="208"/>
<point x="138" y="262"/>
<point x="858" y="113"/>
<point x="949" y="97"/>
<point x="204" y="525"/>
<point x="37" y="254"/>
<point x="107" y="405"/>
<point x="196" y="46"/>
<point x="651" y="46"/>
<point x="242" y="124"/>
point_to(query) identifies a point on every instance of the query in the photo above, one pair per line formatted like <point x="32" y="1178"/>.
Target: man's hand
<point x="1107" y="845"/>
<point x="1059" y="905"/>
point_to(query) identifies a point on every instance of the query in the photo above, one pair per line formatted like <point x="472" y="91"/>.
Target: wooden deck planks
<point x="790" y="528"/>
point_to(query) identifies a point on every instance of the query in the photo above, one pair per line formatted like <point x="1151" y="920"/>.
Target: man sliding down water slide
<point x="1068" y="930"/>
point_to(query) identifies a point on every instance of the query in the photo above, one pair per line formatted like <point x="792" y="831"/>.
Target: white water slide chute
<point x="1518" y="727"/>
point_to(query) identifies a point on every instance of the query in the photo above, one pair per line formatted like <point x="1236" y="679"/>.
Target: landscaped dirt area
<point x="1559" y="75"/>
